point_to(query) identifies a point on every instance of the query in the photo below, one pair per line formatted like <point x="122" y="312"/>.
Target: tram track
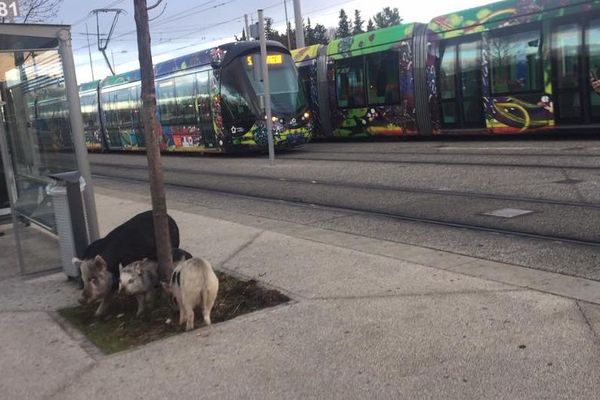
<point x="367" y="186"/>
<point x="443" y="162"/>
<point x="363" y="211"/>
<point x="450" y="152"/>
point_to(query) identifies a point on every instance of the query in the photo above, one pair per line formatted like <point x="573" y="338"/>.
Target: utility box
<point x="69" y="213"/>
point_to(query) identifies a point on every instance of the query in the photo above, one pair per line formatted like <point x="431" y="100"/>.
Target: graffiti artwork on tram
<point x="385" y="119"/>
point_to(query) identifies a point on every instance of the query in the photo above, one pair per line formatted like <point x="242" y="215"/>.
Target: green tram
<point x="510" y="67"/>
<point x="209" y="101"/>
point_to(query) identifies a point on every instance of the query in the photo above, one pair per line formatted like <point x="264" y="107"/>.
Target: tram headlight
<point x="274" y="119"/>
<point x="306" y="115"/>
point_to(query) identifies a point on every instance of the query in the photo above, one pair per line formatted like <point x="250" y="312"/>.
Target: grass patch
<point x="120" y="329"/>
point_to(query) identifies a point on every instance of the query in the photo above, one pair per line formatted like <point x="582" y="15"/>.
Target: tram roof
<point x="306" y="53"/>
<point x="369" y="42"/>
<point x="505" y="13"/>
<point x="93" y="85"/>
<point x="225" y="52"/>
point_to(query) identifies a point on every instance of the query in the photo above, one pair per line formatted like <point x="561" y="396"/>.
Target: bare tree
<point x="37" y="10"/>
<point x="151" y="134"/>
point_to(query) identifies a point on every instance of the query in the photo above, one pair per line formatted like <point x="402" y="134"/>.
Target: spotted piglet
<point x="193" y="283"/>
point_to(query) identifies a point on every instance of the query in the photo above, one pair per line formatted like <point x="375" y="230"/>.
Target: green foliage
<point x="316" y="35"/>
<point x="370" y="25"/>
<point x="343" y="29"/>
<point x="387" y="17"/>
<point x="358" y="23"/>
<point x="320" y="35"/>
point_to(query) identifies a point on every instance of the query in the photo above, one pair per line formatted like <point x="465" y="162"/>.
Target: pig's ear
<point x="99" y="262"/>
<point x="76" y="261"/>
<point x="120" y="267"/>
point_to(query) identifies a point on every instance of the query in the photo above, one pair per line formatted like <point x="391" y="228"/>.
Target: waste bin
<point x="69" y="213"/>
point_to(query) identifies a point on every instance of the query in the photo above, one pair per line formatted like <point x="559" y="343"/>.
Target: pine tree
<point x="343" y="29"/>
<point x="309" y="34"/>
<point x="387" y="17"/>
<point x="270" y="33"/>
<point x="358" y="23"/>
<point x="370" y="26"/>
<point x="320" y="34"/>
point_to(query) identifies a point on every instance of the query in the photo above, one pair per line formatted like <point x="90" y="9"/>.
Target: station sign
<point x="9" y="9"/>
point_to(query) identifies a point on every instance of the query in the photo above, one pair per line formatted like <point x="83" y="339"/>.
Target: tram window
<point x="202" y="101"/>
<point x="593" y="41"/>
<point x="184" y="85"/>
<point x="516" y="62"/>
<point x="304" y="75"/>
<point x="449" y="112"/>
<point x="136" y="103"/>
<point x="167" y="104"/>
<point x="349" y="83"/>
<point x="110" y="109"/>
<point x="566" y="43"/>
<point x="382" y="78"/>
<point x="448" y="73"/>
<point x="123" y="106"/>
<point x="89" y="110"/>
<point x="470" y="69"/>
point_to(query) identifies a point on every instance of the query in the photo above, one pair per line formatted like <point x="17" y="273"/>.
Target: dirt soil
<point x="120" y="329"/>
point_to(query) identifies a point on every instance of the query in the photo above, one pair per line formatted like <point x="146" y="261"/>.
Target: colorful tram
<point x="516" y="66"/>
<point x="209" y="101"/>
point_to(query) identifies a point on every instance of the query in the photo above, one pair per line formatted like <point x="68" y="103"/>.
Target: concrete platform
<point x="370" y="319"/>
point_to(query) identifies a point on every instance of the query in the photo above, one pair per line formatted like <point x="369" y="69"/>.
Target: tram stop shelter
<point x="41" y="135"/>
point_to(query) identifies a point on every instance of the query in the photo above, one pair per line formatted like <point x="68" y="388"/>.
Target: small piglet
<point x="193" y="283"/>
<point x="140" y="279"/>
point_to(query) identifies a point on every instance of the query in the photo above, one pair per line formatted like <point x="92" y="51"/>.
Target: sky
<point x="184" y="26"/>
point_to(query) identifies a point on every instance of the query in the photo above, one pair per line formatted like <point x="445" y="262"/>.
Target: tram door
<point x="204" y="109"/>
<point x="576" y="58"/>
<point x="460" y="85"/>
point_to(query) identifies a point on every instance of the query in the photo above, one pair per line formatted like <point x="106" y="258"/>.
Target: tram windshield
<point x="242" y="87"/>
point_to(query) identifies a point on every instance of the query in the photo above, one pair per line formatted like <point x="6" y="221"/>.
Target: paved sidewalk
<point x="370" y="319"/>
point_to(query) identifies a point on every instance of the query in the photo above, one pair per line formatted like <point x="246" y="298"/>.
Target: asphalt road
<point x="436" y="194"/>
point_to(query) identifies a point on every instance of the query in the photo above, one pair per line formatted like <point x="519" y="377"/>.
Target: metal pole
<point x="287" y="25"/>
<point x="89" y="51"/>
<point x="267" y="92"/>
<point x="11" y="187"/>
<point x="247" y="27"/>
<point x="299" y="27"/>
<point x="77" y="135"/>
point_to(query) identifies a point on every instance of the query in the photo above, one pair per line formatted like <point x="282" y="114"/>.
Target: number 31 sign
<point x="9" y="9"/>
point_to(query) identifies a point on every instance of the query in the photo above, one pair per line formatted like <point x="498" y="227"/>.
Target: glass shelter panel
<point x="38" y="143"/>
<point x="38" y="128"/>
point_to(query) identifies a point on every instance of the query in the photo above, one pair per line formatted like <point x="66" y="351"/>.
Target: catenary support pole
<point x="287" y="25"/>
<point x="299" y="26"/>
<point x="87" y="35"/>
<point x="265" y="78"/>
<point x="77" y="133"/>
<point x="247" y="27"/>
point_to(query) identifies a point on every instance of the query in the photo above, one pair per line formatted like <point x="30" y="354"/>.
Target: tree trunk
<point x="152" y="138"/>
